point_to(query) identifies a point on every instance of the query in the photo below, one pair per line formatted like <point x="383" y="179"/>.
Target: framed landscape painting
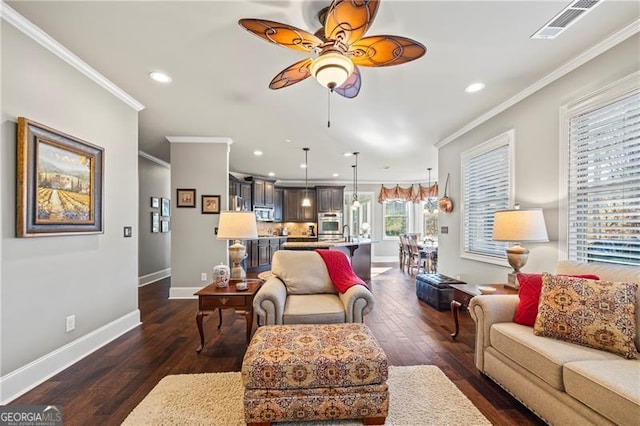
<point x="59" y="183"/>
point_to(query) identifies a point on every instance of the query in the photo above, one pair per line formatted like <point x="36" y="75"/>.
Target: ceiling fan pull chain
<point x="329" y="108"/>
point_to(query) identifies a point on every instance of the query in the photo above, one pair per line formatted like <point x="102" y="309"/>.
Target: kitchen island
<point x="358" y="251"/>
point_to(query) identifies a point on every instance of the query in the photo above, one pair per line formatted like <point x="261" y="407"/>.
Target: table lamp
<point x="237" y="226"/>
<point x="518" y="226"/>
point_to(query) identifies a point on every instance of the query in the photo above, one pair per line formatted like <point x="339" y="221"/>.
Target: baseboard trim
<point x="27" y="377"/>
<point x="183" y="292"/>
<point x="153" y="277"/>
<point x="385" y="259"/>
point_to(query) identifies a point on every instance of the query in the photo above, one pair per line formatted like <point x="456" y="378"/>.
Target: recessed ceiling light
<point x="348" y="154"/>
<point x="287" y="140"/>
<point x="303" y="166"/>
<point x="474" y="87"/>
<point x="257" y="153"/>
<point x="160" y="77"/>
<point x="272" y="174"/>
<point x="335" y="175"/>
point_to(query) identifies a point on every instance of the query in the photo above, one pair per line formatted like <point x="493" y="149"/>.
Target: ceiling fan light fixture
<point x="331" y="70"/>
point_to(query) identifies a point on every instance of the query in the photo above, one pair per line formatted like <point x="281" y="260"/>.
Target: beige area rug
<point x="375" y="271"/>
<point x="420" y="395"/>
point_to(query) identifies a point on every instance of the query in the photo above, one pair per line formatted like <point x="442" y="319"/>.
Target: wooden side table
<point x="462" y="294"/>
<point x="212" y="297"/>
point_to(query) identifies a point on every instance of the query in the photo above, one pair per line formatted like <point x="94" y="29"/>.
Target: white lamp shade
<point x="331" y="69"/>
<point x="237" y="226"/>
<point x="519" y="226"/>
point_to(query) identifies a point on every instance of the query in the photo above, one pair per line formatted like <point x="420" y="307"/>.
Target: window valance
<point x="415" y="194"/>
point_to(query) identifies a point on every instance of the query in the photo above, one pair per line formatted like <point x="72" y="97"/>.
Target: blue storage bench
<point x="434" y="290"/>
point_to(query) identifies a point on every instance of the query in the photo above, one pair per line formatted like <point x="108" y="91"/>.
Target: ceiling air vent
<point x="567" y="17"/>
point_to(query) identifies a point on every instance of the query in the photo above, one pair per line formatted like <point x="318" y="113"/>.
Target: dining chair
<point x="417" y="259"/>
<point x="404" y="251"/>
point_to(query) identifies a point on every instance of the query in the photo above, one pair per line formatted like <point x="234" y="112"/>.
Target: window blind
<point x="604" y="183"/>
<point x="486" y="189"/>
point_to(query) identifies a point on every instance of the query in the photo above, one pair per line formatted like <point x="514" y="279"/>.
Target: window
<point x="487" y="186"/>
<point x="603" y="176"/>
<point x="396" y="218"/>
<point x="430" y="220"/>
<point x="359" y="218"/>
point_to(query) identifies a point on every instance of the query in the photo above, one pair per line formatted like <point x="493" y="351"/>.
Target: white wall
<point x="46" y="279"/>
<point x="194" y="247"/>
<point x="536" y="123"/>
<point x="154" y="249"/>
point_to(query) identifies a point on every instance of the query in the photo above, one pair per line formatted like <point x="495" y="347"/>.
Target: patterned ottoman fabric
<point x="313" y="356"/>
<point x="262" y="406"/>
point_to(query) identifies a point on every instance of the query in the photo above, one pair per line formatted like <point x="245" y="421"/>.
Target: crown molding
<point x="611" y="41"/>
<point x="34" y="32"/>
<point x="154" y="159"/>
<point x="199" y="139"/>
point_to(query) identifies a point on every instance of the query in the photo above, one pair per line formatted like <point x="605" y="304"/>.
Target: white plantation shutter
<point x="604" y="183"/>
<point x="487" y="187"/>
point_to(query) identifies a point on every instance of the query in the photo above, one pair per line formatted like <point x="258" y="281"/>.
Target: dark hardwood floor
<point x="104" y="387"/>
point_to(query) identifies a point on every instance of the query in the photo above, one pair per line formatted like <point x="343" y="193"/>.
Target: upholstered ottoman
<point x="434" y="289"/>
<point x="315" y="372"/>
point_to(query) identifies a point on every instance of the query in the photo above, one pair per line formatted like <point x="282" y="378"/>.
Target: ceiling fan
<point x="339" y="47"/>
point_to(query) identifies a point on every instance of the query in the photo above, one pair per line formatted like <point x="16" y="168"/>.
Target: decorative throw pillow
<point x="598" y="314"/>
<point x="529" y="293"/>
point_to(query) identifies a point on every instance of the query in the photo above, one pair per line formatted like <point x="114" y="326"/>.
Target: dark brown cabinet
<point x="262" y="192"/>
<point x="241" y="189"/>
<point x="330" y="198"/>
<point x="278" y="199"/>
<point x="260" y="252"/>
<point x="293" y="210"/>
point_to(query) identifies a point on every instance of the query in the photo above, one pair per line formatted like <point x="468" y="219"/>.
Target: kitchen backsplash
<point x="295" y="229"/>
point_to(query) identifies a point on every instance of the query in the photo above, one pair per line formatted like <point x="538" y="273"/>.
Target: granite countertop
<point x="324" y="244"/>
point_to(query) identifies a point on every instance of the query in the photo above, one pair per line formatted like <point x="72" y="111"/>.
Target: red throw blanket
<point x="340" y="270"/>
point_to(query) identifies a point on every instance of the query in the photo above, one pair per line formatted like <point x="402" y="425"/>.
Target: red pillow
<point x="530" y="288"/>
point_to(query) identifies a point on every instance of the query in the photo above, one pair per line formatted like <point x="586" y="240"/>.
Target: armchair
<point x="301" y="292"/>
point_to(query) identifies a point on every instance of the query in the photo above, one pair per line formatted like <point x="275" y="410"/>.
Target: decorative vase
<point x="221" y="275"/>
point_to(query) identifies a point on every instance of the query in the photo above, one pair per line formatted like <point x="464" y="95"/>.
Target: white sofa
<point x="301" y="292"/>
<point x="563" y="383"/>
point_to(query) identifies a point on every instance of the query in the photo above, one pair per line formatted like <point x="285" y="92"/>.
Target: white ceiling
<point x="221" y="74"/>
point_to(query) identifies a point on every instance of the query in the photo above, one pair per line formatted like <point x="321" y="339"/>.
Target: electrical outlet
<point x="71" y="323"/>
<point x="444" y="229"/>
<point x="127" y="232"/>
<point x="203" y="276"/>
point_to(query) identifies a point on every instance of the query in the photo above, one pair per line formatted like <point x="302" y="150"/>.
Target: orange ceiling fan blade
<point x="282" y="34"/>
<point x="385" y="50"/>
<point x="348" y="20"/>
<point x="292" y="74"/>
<point x="350" y="88"/>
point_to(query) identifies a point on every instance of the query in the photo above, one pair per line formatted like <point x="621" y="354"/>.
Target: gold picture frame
<point x="59" y="181"/>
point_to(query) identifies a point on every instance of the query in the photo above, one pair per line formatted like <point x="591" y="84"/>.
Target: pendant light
<point x="356" y="202"/>
<point x="306" y="202"/>
<point x="430" y="206"/>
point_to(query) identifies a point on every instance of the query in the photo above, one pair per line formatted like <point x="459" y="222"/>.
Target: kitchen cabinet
<point x="241" y="189"/>
<point x="293" y="210"/>
<point x="245" y="193"/>
<point x="330" y="198"/>
<point x="260" y="252"/>
<point x="278" y="199"/>
<point x="262" y="192"/>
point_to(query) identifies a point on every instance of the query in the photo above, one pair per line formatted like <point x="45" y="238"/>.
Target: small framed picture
<point x="210" y="204"/>
<point x="186" y="197"/>
<point x="155" y="222"/>
<point x="166" y="207"/>
<point x="155" y="202"/>
<point x="164" y="226"/>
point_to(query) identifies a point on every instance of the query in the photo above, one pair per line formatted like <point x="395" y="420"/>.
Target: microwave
<point x="264" y="214"/>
